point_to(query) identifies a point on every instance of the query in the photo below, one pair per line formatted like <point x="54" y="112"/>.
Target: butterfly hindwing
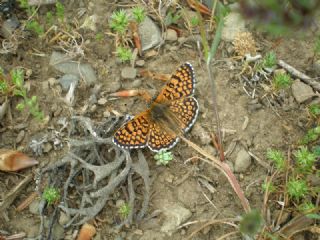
<point x="159" y="139"/>
<point x="186" y="110"/>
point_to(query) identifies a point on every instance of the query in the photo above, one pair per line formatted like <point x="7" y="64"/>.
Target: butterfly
<point x="171" y="114"/>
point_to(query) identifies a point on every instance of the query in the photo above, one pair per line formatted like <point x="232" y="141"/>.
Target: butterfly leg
<point x="132" y="93"/>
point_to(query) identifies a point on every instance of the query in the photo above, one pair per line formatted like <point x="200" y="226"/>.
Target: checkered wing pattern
<point x="181" y="84"/>
<point x="160" y="139"/>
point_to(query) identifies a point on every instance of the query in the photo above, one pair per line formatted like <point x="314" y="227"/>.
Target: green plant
<point x="60" y="11"/>
<point x="268" y="186"/>
<point x="51" y="195"/>
<point x="314" y="110"/>
<point x="281" y="81"/>
<point x="49" y="18"/>
<point x="194" y="21"/>
<point x="269" y="60"/>
<point x="307" y="207"/>
<point x="163" y="157"/>
<point x="31" y="104"/>
<point x="171" y="18"/>
<point x="124" y="54"/>
<point x="304" y="159"/>
<point x="119" y="21"/>
<point x="35" y="26"/>
<point x="277" y="157"/>
<point x="31" y="10"/>
<point x="138" y="14"/>
<point x="251" y="223"/>
<point x="312" y="135"/>
<point x="99" y="36"/>
<point x="124" y="210"/>
<point x="297" y="189"/>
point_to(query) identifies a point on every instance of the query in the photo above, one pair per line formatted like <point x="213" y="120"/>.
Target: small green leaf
<point x="20" y="106"/>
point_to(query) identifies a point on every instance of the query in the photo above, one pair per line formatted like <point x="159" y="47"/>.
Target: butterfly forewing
<point x="134" y="133"/>
<point x="186" y="110"/>
<point x="181" y="84"/>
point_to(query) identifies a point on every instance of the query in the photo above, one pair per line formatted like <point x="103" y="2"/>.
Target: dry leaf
<point x="87" y="231"/>
<point x="11" y="160"/>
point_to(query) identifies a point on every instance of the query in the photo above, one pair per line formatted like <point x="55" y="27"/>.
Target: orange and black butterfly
<point x="172" y="113"/>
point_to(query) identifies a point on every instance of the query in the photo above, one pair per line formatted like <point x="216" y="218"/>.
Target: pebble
<point x="63" y="219"/>
<point x="233" y="25"/>
<point x="8" y="27"/>
<point x="106" y="114"/>
<point x="301" y="91"/>
<point x="316" y="67"/>
<point x="134" y="84"/>
<point x="47" y="147"/>
<point x="58" y="232"/>
<point x="150" y="34"/>
<point x="128" y="73"/>
<point x="120" y="203"/>
<point x="102" y="101"/>
<point x="20" y="136"/>
<point x="34" y="207"/>
<point x="140" y="63"/>
<point x="67" y="79"/>
<point x="175" y="215"/>
<point x="279" y="71"/>
<point x="52" y="82"/>
<point x="211" y="150"/>
<point x="254" y="107"/>
<point x="61" y="63"/>
<point x="171" y="35"/>
<point x="115" y="86"/>
<point x="242" y="162"/>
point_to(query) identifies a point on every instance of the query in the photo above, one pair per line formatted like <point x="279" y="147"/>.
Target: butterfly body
<point x="171" y="114"/>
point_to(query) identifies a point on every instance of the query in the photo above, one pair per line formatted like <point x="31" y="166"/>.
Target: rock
<point x="316" y="67"/>
<point x="63" y="219"/>
<point x="90" y="22"/>
<point x="150" y="34"/>
<point x="67" y="79"/>
<point x="279" y="71"/>
<point x="34" y="207"/>
<point x="140" y="63"/>
<point x="3" y="109"/>
<point x="171" y="35"/>
<point x="57" y="232"/>
<point x="201" y="133"/>
<point x="52" y="82"/>
<point x="128" y="73"/>
<point x="301" y="91"/>
<point x="8" y="27"/>
<point x="175" y="215"/>
<point x="47" y="147"/>
<point x="134" y="84"/>
<point x="230" y="164"/>
<point x="102" y="101"/>
<point x="115" y="86"/>
<point x="20" y="136"/>
<point x="210" y="149"/>
<point x="233" y="25"/>
<point x="242" y="162"/>
<point x="120" y="203"/>
<point x="62" y="63"/>
<point x="33" y="231"/>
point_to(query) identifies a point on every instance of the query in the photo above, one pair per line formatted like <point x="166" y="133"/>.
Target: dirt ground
<point x="180" y="182"/>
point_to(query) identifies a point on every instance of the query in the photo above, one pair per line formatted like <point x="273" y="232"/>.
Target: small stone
<point x="171" y="35"/>
<point x="233" y="25"/>
<point x="33" y="231"/>
<point x="301" y="91"/>
<point x="175" y="215"/>
<point x="120" y="203"/>
<point x="209" y="149"/>
<point x="8" y="27"/>
<point x="20" y="136"/>
<point x="115" y="86"/>
<point x="67" y="79"/>
<point x="134" y="84"/>
<point x="47" y="147"/>
<point x="140" y="63"/>
<point x="63" y="219"/>
<point x="106" y="114"/>
<point x="279" y="71"/>
<point x="58" y="232"/>
<point x="316" y="67"/>
<point x="128" y="73"/>
<point x="102" y="101"/>
<point x="150" y="34"/>
<point x="34" y="207"/>
<point x="231" y="166"/>
<point x="254" y="107"/>
<point x="242" y="162"/>
<point x="52" y="82"/>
